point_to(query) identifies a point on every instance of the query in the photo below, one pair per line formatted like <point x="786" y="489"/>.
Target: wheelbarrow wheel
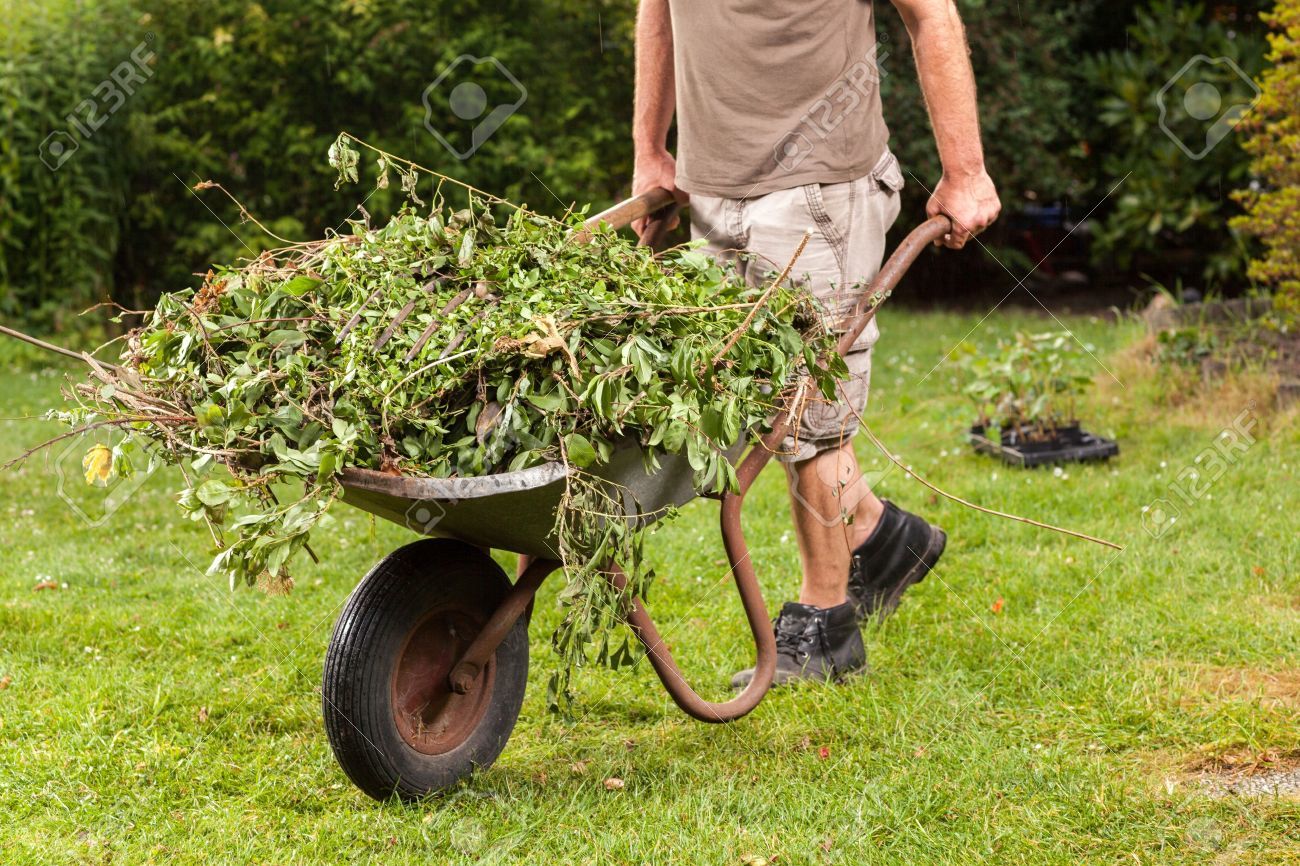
<point x="393" y="721"/>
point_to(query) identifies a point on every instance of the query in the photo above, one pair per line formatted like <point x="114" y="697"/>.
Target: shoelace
<point x="787" y="642"/>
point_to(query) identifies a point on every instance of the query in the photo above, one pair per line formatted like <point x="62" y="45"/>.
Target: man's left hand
<point x="970" y="202"/>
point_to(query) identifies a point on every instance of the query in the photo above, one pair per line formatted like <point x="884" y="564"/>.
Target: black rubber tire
<point x="412" y="586"/>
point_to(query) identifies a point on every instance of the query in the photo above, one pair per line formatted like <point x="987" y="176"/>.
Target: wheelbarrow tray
<point x="515" y="511"/>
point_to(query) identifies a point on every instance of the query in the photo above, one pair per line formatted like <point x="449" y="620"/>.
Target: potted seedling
<point x="1025" y="394"/>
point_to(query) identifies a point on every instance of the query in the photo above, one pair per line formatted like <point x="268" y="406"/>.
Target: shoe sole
<point x="838" y="678"/>
<point x="925" y="563"/>
<point x="798" y="679"/>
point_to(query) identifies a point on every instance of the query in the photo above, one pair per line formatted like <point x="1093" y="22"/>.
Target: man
<point x="779" y="131"/>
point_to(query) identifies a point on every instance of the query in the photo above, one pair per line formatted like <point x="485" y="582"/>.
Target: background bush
<point x="1169" y="212"/>
<point x="1273" y="141"/>
<point x="1028" y="80"/>
<point x="59" y="230"/>
<point x="251" y="93"/>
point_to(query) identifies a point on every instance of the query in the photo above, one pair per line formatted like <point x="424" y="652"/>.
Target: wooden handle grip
<point x="626" y="212"/>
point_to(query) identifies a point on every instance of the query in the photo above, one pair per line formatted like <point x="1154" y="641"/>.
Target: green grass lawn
<point x="1037" y="699"/>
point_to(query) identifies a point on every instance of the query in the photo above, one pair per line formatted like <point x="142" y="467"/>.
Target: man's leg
<point x="830" y="484"/>
<point x="859" y="553"/>
<point x="817" y="637"/>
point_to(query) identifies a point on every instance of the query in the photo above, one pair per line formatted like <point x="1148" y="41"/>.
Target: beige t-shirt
<point x="774" y="94"/>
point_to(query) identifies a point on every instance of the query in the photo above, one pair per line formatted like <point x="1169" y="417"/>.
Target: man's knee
<point x="821" y="425"/>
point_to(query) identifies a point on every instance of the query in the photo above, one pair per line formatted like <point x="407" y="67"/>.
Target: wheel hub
<point x="431" y="718"/>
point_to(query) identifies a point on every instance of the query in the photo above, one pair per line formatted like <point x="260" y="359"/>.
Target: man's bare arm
<point x="966" y="192"/>
<point x="655" y="102"/>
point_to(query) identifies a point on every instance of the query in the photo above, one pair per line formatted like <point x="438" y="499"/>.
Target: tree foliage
<point x="1273" y="141"/>
<point x="1163" y="172"/>
<point x="60" y="230"/>
<point x="1022" y="56"/>
<point x="251" y="92"/>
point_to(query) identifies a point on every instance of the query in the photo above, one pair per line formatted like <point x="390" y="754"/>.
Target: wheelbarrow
<point x="427" y="664"/>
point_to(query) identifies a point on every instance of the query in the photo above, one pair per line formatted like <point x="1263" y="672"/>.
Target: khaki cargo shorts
<point x="849" y="221"/>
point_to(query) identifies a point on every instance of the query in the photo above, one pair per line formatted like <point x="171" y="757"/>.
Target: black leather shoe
<point x="814" y="643"/>
<point x="900" y="551"/>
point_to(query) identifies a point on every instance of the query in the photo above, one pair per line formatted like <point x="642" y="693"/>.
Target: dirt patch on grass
<point x="1242" y="762"/>
<point x="1224" y="770"/>
<point x="1278" y="600"/>
<point x="1273" y="689"/>
<point x="1245" y="773"/>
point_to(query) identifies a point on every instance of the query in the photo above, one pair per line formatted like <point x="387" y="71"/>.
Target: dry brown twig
<point x="111" y="422"/>
<point x="894" y="459"/>
<point x="758" y="305"/>
<point x="244" y="212"/>
<point x="49" y="347"/>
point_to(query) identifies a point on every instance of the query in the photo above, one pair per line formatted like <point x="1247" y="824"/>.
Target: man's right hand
<point x="655" y="169"/>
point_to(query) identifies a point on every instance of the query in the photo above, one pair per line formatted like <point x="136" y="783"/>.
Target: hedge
<point x="250" y="94"/>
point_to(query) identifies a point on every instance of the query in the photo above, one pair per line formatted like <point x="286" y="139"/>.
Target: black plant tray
<point x="1070" y="444"/>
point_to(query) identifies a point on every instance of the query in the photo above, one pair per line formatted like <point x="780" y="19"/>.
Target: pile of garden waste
<point x="459" y="338"/>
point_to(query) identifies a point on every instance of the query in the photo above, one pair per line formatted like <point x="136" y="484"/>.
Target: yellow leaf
<point x="98" y="464"/>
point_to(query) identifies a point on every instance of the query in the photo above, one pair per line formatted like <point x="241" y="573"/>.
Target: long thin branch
<point x="266" y="321"/>
<point x="426" y="368"/>
<point x="749" y="320"/>
<point x="245" y="213"/>
<point x="111" y="422"/>
<point x="980" y="508"/>
<point x="49" y="347"/>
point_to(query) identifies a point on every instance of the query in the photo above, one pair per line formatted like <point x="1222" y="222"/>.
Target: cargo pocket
<point x="879" y="209"/>
<point x="887" y="176"/>
<point x="831" y="207"/>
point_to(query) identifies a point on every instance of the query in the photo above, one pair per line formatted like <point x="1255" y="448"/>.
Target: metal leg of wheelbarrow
<point x="751" y="597"/>
<point x="494" y="631"/>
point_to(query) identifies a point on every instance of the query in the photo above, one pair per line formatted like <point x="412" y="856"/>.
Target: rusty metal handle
<point x="904" y="255"/>
<point x="657" y="228"/>
<point x="661" y="657"/>
<point x="515" y="604"/>
<point x="733" y="534"/>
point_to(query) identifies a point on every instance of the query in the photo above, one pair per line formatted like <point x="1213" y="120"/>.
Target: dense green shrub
<point x="1273" y="141"/>
<point x="59" y="229"/>
<point x="1167" y="202"/>
<point x="1023" y="63"/>
<point x="251" y="94"/>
